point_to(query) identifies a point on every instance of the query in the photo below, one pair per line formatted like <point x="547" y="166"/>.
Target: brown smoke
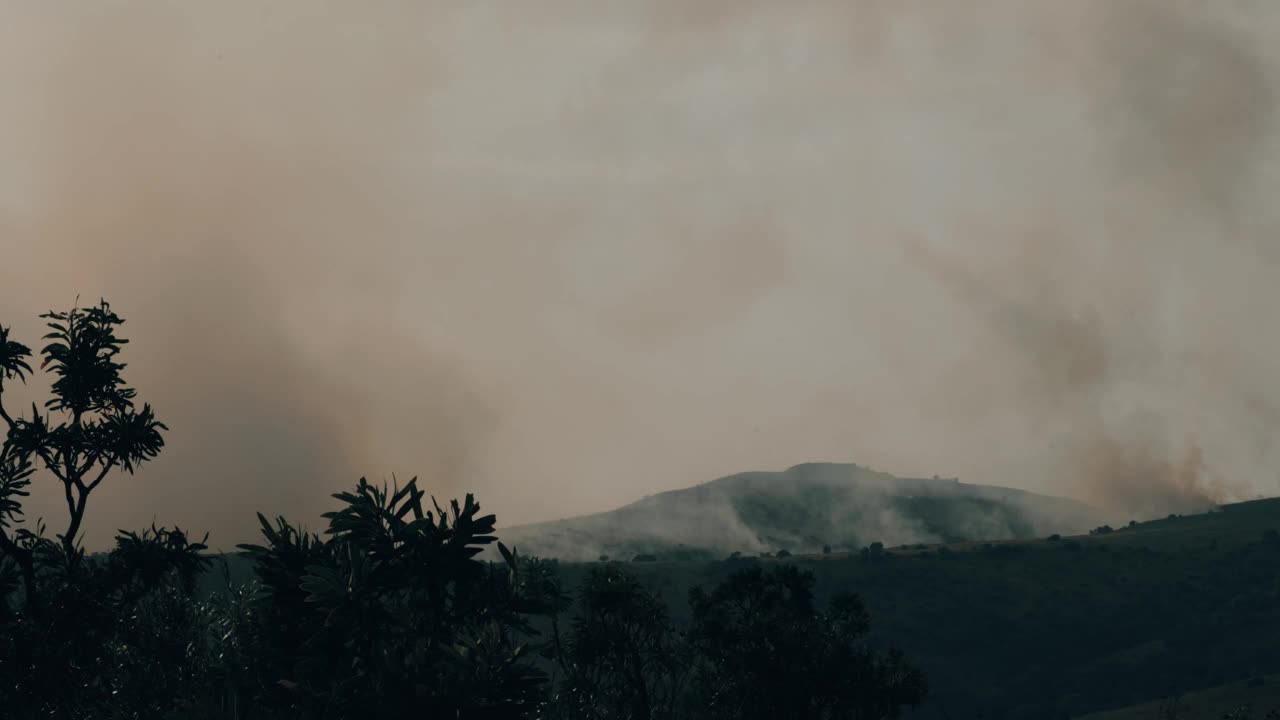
<point x="569" y="253"/>
<point x="1062" y="376"/>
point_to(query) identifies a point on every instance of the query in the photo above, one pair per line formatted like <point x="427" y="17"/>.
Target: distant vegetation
<point x="389" y="614"/>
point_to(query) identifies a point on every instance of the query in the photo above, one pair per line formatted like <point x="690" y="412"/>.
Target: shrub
<point x="764" y="650"/>
<point x="392" y="611"/>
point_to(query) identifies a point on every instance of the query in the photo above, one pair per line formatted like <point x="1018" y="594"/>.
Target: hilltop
<point x="801" y="510"/>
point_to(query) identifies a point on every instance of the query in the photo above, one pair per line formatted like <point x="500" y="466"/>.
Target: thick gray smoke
<point x="570" y="253"/>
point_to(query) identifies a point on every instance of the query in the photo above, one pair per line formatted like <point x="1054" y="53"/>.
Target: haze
<point x="566" y="254"/>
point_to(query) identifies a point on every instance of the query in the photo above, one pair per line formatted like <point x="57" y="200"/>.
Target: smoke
<point x="566" y="255"/>
<point x="1063" y="380"/>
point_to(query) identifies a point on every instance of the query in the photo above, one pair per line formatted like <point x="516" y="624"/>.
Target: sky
<point x="567" y="253"/>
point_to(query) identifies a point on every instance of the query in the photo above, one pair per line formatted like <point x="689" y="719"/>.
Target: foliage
<point x="100" y="429"/>
<point x="765" y="651"/>
<point x="393" y="610"/>
<point x="622" y="657"/>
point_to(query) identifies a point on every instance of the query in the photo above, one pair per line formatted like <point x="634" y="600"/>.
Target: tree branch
<point x="5" y="414"/>
<point x="52" y="465"/>
<point x="105" y="469"/>
<point x="92" y="460"/>
<point x="71" y="502"/>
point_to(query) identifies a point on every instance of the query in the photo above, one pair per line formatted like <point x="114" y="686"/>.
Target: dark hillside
<point x="1047" y="629"/>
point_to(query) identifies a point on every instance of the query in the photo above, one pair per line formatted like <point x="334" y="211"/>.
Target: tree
<point x="65" y="632"/>
<point x="622" y="657"/>
<point x="763" y="650"/>
<point x="392" y="612"/>
<point x="91" y="425"/>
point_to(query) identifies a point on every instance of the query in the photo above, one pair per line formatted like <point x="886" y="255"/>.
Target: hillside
<point x="801" y="510"/>
<point x="1053" y="629"/>
<point x="1026" y="627"/>
<point x="1256" y="697"/>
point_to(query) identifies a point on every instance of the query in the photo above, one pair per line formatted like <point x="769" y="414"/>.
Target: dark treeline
<point x="388" y="613"/>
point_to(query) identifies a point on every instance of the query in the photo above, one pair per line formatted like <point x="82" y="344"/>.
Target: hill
<point x="800" y="510"/>
<point x="1050" y="629"/>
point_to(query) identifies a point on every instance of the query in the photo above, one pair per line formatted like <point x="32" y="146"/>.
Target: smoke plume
<point x="567" y="254"/>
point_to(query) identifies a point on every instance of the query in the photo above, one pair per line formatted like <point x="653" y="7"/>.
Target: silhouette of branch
<point x="105" y="469"/>
<point x="52" y="465"/>
<point x="5" y="414"/>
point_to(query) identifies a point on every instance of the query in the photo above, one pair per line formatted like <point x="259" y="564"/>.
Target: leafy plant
<point x="392" y="609"/>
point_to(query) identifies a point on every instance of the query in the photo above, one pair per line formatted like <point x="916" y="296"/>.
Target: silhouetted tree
<point x="64" y="628"/>
<point x="622" y="658"/>
<point x="763" y="650"/>
<point x="98" y="427"/>
<point x="392" y="612"/>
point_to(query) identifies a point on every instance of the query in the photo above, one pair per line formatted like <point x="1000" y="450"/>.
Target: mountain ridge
<point x="803" y="509"/>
